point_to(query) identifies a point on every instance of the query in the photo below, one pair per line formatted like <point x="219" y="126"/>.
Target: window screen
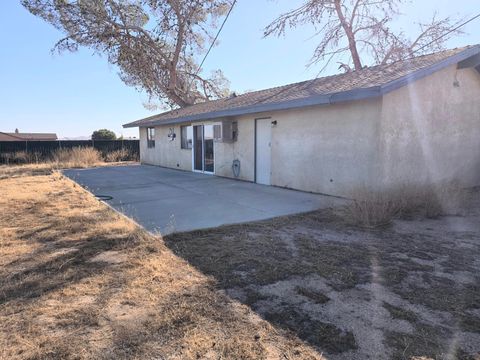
<point x="217" y="132"/>
<point x="186" y="133"/>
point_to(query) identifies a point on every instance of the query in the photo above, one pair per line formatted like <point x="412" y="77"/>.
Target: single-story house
<point x="18" y="136"/>
<point x="412" y="121"/>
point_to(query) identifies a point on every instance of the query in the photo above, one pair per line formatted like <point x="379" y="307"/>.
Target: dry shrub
<point x="76" y="157"/>
<point x="118" y="155"/>
<point x="372" y="208"/>
<point x="17" y="157"/>
<point x="378" y="208"/>
<point x="21" y="158"/>
<point x="439" y="200"/>
<point x="68" y="157"/>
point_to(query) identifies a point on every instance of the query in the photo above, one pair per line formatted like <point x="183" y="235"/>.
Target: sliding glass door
<point x="198" y="148"/>
<point x="208" y="165"/>
<point x="203" y="153"/>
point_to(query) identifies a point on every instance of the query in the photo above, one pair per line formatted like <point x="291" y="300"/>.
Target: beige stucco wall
<point x="426" y="131"/>
<point x="430" y="130"/>
<point x="169" y="153"/>
<point x="243" y="149"/>
<point x="325" y="149"/>
<point x="165" y="153"/>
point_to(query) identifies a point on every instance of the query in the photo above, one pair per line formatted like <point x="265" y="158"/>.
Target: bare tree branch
<point x="361" y="29"/>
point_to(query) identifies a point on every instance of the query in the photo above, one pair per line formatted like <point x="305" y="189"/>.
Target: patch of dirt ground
<point x="409" y="291"/>
<point x="79" y="281"/>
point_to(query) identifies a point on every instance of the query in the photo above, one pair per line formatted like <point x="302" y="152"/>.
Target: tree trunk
<point x="352" y="44"/>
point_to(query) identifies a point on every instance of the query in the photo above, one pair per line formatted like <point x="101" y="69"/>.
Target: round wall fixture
<point x="236" y="168"/>
<point x="171" y="134"/>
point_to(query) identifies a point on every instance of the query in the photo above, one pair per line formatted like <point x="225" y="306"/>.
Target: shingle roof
<point x="27" y="136"/>
<point x="361" y="84"/>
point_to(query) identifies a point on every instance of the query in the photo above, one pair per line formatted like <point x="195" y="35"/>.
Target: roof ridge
<point x="340" y="74"/>
<point x="462" y="48"/>
<point x="10" y="134"/>
<point x="365" y="78"/>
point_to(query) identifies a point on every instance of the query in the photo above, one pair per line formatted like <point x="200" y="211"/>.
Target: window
<point x="186" y="133"/>
<point x="217" y="132"/>
<point x="151" y="137"/>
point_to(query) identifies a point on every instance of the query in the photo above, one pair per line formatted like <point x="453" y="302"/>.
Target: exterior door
<point x="263" y="150"/>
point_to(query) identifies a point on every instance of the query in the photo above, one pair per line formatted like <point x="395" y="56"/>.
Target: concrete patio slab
<point x="167" y="200"/>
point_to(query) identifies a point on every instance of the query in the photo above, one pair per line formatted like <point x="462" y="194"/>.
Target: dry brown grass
<point x="78" y="280"/>
<point x="118" y="155"/>
<point x="77" y="157"/>
<point x="12" y="171"/>
<point x="64" y="159"/>
<point x="20" y="157"/>
<point x="378" y="208"/>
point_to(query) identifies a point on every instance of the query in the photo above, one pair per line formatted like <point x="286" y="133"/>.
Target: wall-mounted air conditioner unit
<point x="227" y="132"/>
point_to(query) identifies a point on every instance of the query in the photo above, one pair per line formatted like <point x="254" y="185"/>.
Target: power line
<point x="216" y="36"/>
<point x="448" y="32"/>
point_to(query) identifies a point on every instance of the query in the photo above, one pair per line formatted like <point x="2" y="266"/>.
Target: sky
<point x="73" y="94"/>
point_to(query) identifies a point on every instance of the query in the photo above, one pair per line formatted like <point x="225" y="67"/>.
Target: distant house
<point x="412" y="121"/>
<point x="18" y="136"/>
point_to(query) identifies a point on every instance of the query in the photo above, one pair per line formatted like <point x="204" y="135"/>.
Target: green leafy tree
<point x="103" y="134"/>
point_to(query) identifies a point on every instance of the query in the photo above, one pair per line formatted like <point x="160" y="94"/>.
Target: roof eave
<point x="426" y="71"/>
<point x="357" y="94"/>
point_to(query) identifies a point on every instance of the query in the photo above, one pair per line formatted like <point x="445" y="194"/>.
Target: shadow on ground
<point x="412" y="290"/>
